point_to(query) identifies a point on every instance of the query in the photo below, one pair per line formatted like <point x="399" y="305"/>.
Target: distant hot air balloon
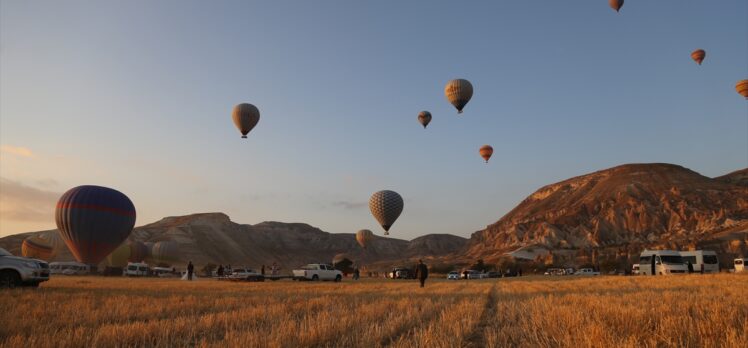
<point x="742" y="88"/>
<point x="363" y="237"/>
<point x="138" y="251"/>
<point x="118" y="257"/>
<point x="54" y="239"/>
<point x="37" y="248"/>
<point x="93" y="221"/>
<point x="245" y="117"/>
<point x="698" y="56"/>
<point x="486" y="151"/>
<point x="424" y="117"/>
<point x="340" y="257"/>
<point x="165" y="251"/>
<point x="616" y="4"/>
<point x="386" y="207"/>
<point x="458" y="92"/>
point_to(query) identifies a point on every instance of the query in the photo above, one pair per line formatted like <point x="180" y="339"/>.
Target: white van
<point x="702" y="261"/>
<point x="69" y="268"/>
<point x="661" y="262"/>
<point x="740" y="265"/>
<point x="136" y="269"/>
<point x="163" y="272"/>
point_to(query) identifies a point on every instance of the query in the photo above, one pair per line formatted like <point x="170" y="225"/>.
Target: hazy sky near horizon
<point x="137" y="96"/>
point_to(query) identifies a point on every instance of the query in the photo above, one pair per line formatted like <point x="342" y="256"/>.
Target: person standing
<point x="356" y="273"/>
<point x="422" y="272"/>
<point x="262" y="270"/>
<point x="190" y="270"/>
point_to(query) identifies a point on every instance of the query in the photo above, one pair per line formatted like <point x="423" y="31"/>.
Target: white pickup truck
<point x="317" y="271"/>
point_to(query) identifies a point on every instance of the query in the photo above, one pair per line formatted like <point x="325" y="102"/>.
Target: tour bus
<point x="702" y="261"/>
<point x="740" y="265"/>
<point x="661" y="262"/>
<point x="69" y="268"/>
<point x="136" y="269"/>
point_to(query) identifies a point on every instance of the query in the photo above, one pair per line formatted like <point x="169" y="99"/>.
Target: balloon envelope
<point x="486" y="151"/>
<point x="138" y="251"/>
<point x="363" y="237"/>
<point x="698" y="56"/>
<point x="424" y="117"/>
<point x="245" y="117"/>
<point x="165" y="251"/>
<point x="386" y="207"/>
<point x="458" y="92"/>
<point x="93" y="221"/>
<point x="37" y="248"/>
<point x="616" y="4"/>
<point x="742" y="88"/>
<point x="118" y="257"/>
<point x="54" y="239"/>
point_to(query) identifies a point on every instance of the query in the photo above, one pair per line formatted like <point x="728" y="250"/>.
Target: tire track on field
<point x="409" y="328"/>
<point x="476" y="338"/>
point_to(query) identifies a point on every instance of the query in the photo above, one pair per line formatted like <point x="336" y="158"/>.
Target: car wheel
<point x="315" y="278"/>
<point x="9" y="279"/>
<point x="338" y="278"/>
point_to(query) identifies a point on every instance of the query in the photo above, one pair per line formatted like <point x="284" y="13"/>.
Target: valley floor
<point x="694" y="310"/>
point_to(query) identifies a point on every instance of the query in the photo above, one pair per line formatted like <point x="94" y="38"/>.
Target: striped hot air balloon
<point x="698" y="56"/>
<point x="486" y="151"/>
<point x="245" y="117"/>
<point x="93" y="221"/>
<point x="37" y="248"/>
<point x="165" y="251"/>
<point x="364" y="237"/>
<point x="458" y="93"/>
<point x="742" y="88"/>
<point x="386" y="207"/>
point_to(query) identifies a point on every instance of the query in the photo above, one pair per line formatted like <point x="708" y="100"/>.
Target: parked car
<point x="661" y="262"/>
<point x="473" y="274"/>
<point x="635" y="269"/>
<point x="246" y="274"/>
<point x="586" y="272"/>
<point x="163" y="272"/>
<point x="317" y="271"/>
<point x="493" y="275"/>
<point x="69" y="268"/>
<point x="454" y="275"/>
<point x="740" y="264"/>
<point x="17" y="271"/>
<point x="136" y="269"/>
<point x="401" y="273"/>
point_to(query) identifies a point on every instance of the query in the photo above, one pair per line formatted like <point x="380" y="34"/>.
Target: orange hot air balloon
<point x="37" y="248"/>
<point x="616" y="4"/>
<point x="698" y="56"/>
<point x="486" y="151"/>
<point x="458" y="93"/>
<point x="363" y="237"/>
<point x="245" y="117"/>
<point x="742" y="88"/>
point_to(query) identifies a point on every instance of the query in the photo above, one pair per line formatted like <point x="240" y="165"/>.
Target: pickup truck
<point x="317" y="271"/>
<point x="246" y="274"/>
<point x="16" y="271"/>
<point x="586" y="272"/>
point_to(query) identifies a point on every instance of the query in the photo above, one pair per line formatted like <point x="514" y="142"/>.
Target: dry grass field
<point x="693" y="311"/>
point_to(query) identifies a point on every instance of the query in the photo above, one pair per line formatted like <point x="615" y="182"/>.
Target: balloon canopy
<point x="36" y="247"/>
<point x="458" y="93"/>
<point x="364" y="237"/>
<point x="93" y="221"/>
<point x="486" y="151"/>
<point x="424" y="117"/>
<point x="245" y="117"/>
<point x="616" y="4"/>
<point x="386" y="207"/>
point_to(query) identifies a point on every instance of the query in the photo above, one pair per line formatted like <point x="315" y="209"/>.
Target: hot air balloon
<point x="486" y="151"/>
<point x="138" y="251"/>
<point x="37" y="248"/>
<point x="165" y="251"/>
<point x="339" y="258"/>
<point x="54" y="239"/>
<point x="93" y="221"/>
<point x="118" y="257"/>
<point x="458" y="92"/>
<point x="424" y="117"/>
<point x="386" y="207"/>
<point x="363" y="237"/>
<point x="616" y="4"/>
<point x="245" y="117"/>
<point x="742" y="88"/>
<point x="698" y="56"/>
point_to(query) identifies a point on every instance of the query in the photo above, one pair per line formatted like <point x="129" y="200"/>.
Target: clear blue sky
<point x="137" y="95"/>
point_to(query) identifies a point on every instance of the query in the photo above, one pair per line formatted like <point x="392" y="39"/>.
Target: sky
<point x="137" y="96"/>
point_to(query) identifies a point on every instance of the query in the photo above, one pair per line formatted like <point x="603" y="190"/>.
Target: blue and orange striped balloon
<point x="93" y="221"/>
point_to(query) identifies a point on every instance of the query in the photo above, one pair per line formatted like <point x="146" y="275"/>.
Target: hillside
<point x="620" y="210"/>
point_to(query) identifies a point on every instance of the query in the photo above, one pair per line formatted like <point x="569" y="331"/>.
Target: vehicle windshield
<point x="672" y="260"/>
<point x="4" y="252"/>
<point x="738" y="262"/>
<point x="710" y="259"/>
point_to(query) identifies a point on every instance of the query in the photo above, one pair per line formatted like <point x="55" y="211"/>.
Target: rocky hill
<point x="214" y="238"/>
<point x="620" y="211"/>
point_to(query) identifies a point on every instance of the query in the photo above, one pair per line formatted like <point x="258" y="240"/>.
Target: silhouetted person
<point x="654" y="269"/>
<point x="219" y="272"/>
<point x="519" y="272"/>
<point x="262" y="270"/>
<point x="422" y="272"/>
<point x="190" y="270"/>
<point x="690" y="267"/>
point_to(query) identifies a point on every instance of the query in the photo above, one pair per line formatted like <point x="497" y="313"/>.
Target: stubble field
<point x="694" y="310"/>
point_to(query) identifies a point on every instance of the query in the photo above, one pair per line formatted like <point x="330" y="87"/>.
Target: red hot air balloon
<point x="616" y="4"/>
<point x="486" y="151"/>
<point x="94" y="221"/>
